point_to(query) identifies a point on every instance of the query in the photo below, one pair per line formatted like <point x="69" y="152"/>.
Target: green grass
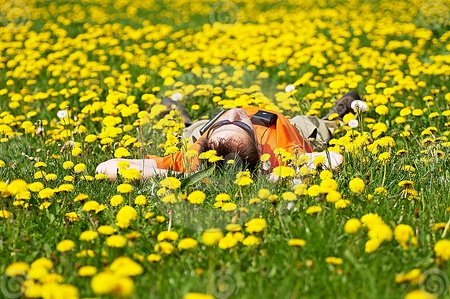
<point x="272" y="268"/>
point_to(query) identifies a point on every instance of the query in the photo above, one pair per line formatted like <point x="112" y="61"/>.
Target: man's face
<point x="246" y="132"/>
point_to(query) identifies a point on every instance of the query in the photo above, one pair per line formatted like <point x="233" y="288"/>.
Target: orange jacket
<point x="280" y="135"/>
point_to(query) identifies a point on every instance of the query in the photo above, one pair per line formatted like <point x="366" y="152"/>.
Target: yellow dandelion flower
<point x="68" y="165"/>
<point x="265" y="157"/>
<point x="153" y="258"/>
<point x="124" y="188"/>
<point x="352" y="226"/>
<point x="229" y="206"/>
<point x="171" y="183"/>
<point x="372" y="245"/>
<point x="442" y="249"/>
<point x="197" y="296"/>
<point x="289" y="196"/>
<point x="284" y="171"/>
<point x="72" y="216"/>
<point x="187" y="243"/>
<point x="256" y="225"/>
<point x="88" y="235"/>
<point x="342" y="203"/>
<point x="80" y="167"/>
<point x="222" y="197"/>
<point x="196" y="197"/>
<point x="121" y="152"/>
<point x="125" y="215"/>
<point x="227" y="242"/>
<point x="124" y="266"/>
<point x="357" y="185"/>
<point x="334" y="260"/>
<point x="251" y="241"/>
<point x="140" y="200"/>
<point x="297" y="242"/>
<point x="211" y="236"/>
<point x="167" y="235"/>
<point x="106" y="230"/>
<point x="116" y="241"/>
<point x="164" y="247"/>
<point x="65" y="245"/>
<point x="313" y="210"/>
<point x="87" y="271"/>
<point x="17" y="269"/>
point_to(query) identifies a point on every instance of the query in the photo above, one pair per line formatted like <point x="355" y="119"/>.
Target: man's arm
<point x="147" y="167"/>
<point x="332" y="161"/>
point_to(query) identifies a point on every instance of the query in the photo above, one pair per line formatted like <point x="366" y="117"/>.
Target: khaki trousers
<point x="317" y="131"/>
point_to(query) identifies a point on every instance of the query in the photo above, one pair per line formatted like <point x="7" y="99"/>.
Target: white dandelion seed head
<point x="359" y="106"/>
<point x="62" y="114"/>
<point x="177" y="96"/>
<point x="353" y="123"/>
<point x="289" y="88"/>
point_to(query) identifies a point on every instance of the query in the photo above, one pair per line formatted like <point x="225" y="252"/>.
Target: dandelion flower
<point x="167" y="235"/>
<point x="352" y="226"/>
<point x="442" y="249"/>
<point x="372" y="245"/>
<point x="124" y="266"/>
<point x="171" y="183"/>
<point x="229" y="206"/>
<point x="153" y="258"/>
<point x="86" y="271"/>
<point x="314" y="210"/>
<point x="357" y="185"/>
<point x="88" y="235"/>
<point x="187" y="243"/>
<point x="289" y="196"/>
<point x="80" y="167"/>
<point x="227" y="242"/>
<point x="16" y="269"/>
<point x="284" y="171"/>
<point x="256" y="225"/>
<point x="116" y="241"/>
<point x="334" y="260"/>
<point x="106" y="230"/>
<point x="251" y="241"/>
<point x="65" y="245"/>
<point x="197" y="296"/>
<point x="223" y="197"/>
<point x="164" y="247"/>
<point x="124" y="188"/>
<point x="211" y="236"/>
<point x="196" y="197"/>
<point x="297" y="242"/>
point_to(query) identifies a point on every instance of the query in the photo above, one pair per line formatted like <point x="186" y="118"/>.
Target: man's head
<point x="233" y="136"/>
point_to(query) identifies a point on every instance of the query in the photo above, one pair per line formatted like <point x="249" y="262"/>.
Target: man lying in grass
<point x="242" y="136"/>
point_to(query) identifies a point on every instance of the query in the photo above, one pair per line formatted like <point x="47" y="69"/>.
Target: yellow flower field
<point x="82" y="82"/>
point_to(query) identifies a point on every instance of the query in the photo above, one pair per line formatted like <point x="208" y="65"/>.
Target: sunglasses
<point x="240" y="124"/>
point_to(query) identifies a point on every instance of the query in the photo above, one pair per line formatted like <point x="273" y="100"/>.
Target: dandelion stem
<point x="170" y="219"/>
<point x="285" y="231"/>
<point x="446" y="228"/>
<point x="384" y="176"/>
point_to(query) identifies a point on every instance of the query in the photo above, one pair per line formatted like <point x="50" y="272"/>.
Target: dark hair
<point x="244" y="154"/>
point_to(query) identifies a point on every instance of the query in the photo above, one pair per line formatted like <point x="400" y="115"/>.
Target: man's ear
<point x="260" y="149"/>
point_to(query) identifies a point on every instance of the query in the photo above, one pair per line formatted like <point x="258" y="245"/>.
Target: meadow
<point x="82" y="82"/>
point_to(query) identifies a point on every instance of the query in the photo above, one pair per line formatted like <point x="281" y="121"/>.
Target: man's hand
<point x="332" y="159"/>
<point x="147" y="167"/>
